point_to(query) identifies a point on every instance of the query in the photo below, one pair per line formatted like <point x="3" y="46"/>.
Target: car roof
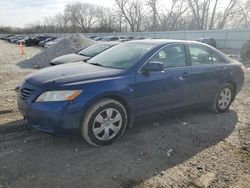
<point x="112" y="43"/>
<point x="206" y="38"/>
<point x="163" y="41"/>
<point x="107" y="37"/>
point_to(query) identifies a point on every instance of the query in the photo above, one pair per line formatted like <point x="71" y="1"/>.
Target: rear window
<point x="93" y="50"/>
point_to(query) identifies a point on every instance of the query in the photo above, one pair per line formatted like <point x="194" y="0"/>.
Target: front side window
<point x="122" y="56"/>
<point x="171" y="56"/>
<point x="200" y="55"/>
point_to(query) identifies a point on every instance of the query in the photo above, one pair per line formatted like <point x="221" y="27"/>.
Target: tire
<point x="223" y="99"/>
<point x="104" y="122"/>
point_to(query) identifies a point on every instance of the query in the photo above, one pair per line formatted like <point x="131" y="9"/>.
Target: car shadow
<point x="13" y="126"/>
<point x="154" y="144"/>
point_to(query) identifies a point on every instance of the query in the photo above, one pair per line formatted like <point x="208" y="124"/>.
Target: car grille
<point x="25" y="93"/>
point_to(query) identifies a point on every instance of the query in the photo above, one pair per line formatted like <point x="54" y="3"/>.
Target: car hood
<point x="68" y="59"/>
<point x="70" y="73"/>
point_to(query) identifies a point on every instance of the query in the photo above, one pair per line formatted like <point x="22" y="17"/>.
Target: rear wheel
<point x="104" y="122"/>
<point x="223" y="99"/>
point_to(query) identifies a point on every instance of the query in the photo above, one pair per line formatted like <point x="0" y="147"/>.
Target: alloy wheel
<point x="107" y="124"/>
<point x="225" y="98"/>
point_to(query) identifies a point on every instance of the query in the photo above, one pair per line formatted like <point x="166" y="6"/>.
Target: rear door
<point x="206" y="73"/>
<point x="165" y="89"/>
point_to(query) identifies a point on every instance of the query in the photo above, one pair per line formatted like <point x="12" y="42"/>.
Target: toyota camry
<point x="101" y="98"/>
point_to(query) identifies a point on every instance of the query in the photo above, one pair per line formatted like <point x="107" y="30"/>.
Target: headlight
<point x="63" y="95"/>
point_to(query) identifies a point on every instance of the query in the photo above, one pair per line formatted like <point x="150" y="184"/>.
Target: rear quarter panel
<point x="235" y="75"/>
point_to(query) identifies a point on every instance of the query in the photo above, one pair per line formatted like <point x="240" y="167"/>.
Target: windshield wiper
<point x="97" y="64"/>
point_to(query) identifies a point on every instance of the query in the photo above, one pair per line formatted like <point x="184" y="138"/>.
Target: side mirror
<point x="153" y="66"/>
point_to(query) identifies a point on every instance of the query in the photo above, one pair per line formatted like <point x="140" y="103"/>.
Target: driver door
<point x="162" y="90"/>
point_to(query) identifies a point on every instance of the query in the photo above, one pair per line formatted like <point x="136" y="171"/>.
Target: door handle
<point x="222" y="68"/>
<point x="184" y="75"/>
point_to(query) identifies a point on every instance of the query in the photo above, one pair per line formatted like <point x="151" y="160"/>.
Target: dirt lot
<point x="194" y="148"/>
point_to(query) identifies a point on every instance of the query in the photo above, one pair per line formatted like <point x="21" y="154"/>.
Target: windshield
<point x="122" y="56"/>
<point x="94" y="50"/>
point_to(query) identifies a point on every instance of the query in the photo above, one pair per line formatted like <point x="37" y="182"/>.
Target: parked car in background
<point x="34" y="41"/>
<point x="5" y="37"/>
<point x="139" y="38"/>
<point x="110" y="38"/>
<point x="43" y="42"/>
<point x="125" y="38"/>
<point x="22" y="40"/>
<point x="208" y="40"/>
<point x="92" y="37"/>
<point x="16" y="38"/>
<point x="129" y="37"/>
<point x="98" y="38"/>
<point x="102" y="97"/>
<point x="84" y="54"/>
<point x="10" y="38"/>
<point x="245" y="51"/>
<point x="52" y="42"/>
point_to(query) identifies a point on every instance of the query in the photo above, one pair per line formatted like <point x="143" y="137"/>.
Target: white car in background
<point x="51" y="43"/>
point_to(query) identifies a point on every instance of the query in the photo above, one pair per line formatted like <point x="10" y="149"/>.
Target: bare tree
<point x="243" y="12"/>
<point x="211" y="25"/>
<point x="153" y="5"/>
<point x="239" y="16"/>
<point x="133" y="11"/>
<point x="81" y="14"/>
<point x="169" y="18"/>
<point x="62" y="20"/>
<point x="205" y="15"/>
<point x="106" y="19"/>
<point x="226" y="13"/>
<point x="200" y="10"/>
<point x="180" y="9"/>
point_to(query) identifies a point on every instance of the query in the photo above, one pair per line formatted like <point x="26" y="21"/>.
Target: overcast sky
<point x="21" y="12"/>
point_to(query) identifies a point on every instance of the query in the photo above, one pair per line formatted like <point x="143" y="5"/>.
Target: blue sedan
<point x="101" y="98"/>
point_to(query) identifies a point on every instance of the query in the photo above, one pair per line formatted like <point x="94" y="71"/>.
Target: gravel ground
<point x="10" y="76"/>
<point x="68" y="45"/>
<point x="194" y="148"/>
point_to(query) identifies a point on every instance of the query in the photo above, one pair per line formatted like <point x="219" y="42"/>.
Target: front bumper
<point x="56" y="118"/>
<point x="52" y="117"/>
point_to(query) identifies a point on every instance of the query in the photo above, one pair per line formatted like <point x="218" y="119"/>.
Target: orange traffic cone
<point x="21" y="48"/>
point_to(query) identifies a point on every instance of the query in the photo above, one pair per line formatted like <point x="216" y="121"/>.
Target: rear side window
<point x="171" y="56"/>
<point x="217" y="59"/>
<point x="200" y="55"/>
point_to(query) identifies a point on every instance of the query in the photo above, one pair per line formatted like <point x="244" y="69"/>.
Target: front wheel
<point x="104" y="122"/>
<point x="223" y="99"/>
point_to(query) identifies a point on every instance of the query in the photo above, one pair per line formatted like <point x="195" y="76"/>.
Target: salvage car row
<point x="37" y="40"/>
<point x="49" y="40"/>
